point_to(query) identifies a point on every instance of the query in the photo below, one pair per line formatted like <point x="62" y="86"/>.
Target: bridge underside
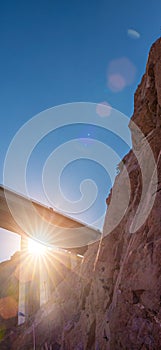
<point x="29" y="218"/>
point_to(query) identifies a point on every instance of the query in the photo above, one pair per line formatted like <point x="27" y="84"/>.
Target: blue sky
<point x="56" y="52"/>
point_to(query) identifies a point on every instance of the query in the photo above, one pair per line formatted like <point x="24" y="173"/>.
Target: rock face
<point x="113" y="300"/>
<point x="8" y="294"/>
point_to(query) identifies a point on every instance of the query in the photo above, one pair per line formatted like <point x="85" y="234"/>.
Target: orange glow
<point x="8" y="307"/>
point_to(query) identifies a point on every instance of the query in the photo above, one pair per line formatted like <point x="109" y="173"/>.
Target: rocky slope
<point x="113" y="300"/>
<point x="8" y="294"/>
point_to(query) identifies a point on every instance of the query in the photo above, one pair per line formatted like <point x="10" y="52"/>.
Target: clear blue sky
<point x="56" y="52"/>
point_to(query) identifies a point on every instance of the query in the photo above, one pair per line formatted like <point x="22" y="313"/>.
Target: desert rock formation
<point x="113" y="300"/>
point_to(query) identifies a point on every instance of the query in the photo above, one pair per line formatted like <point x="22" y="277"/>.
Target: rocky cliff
<point x="113" y="300"/>
<point x="8" y="294"/>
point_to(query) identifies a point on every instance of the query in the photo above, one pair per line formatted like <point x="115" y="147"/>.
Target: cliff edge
<point x="113" y="300"/>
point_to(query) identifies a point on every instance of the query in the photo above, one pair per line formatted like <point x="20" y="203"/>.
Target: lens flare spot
<point x="8" y="307"/>
<point x="133" y="34"/>
<point x="116" y="82"/>
<point x="120" y="73"/>
<point x="103" y="109"/>
<point x="2" y="332"/>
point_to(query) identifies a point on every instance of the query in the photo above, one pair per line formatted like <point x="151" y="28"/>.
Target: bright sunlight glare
<point x="36" y="248"/>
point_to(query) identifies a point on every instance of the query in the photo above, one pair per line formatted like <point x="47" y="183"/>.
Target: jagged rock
<point x="113" y="300"/>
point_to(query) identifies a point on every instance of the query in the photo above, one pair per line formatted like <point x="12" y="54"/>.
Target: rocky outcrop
<point x="113" y="300"/>
<point x="8" y="294"/>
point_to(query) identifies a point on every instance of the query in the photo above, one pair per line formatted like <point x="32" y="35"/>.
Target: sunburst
<point x="36" y="248"/>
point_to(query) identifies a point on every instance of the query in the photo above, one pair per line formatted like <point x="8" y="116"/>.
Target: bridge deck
<point x="25" y="216"/>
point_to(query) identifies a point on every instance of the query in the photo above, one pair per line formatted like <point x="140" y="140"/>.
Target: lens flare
<point x="8" y="307"/>
<point x="103" y="109"/>
<point x="121" y="73"/>
<point x="133" y="34"/>
<point x="36" y="248"/>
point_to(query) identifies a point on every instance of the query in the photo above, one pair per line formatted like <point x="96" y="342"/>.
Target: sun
<point x="35" y="248"/>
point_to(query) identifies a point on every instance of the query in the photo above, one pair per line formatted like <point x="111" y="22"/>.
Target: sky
<point x="59" y="52"/>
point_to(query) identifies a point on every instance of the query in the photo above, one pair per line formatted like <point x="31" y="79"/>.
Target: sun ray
<point x="36" y="248"/>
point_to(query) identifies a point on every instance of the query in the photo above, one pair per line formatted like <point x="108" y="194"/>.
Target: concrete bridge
<point x="29" y="218"/>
